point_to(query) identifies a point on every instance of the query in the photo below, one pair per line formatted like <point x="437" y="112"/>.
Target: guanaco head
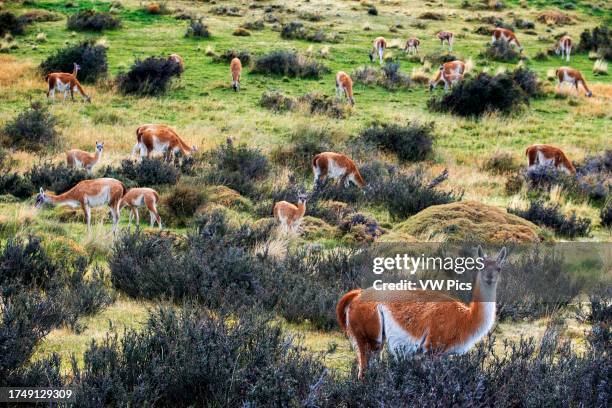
<point x="77" y="67"/>
<point x="489" y="275"/>
<point x="41" y="198"/>
<point x="434" y="81"/>
<point x="99" y="146"/>
<point x="302" y="198"/>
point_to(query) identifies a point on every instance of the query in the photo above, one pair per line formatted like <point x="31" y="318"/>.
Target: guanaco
<point x="335" y="166"/>
<point x="503" y="34"/>
<point x="344" y="86"/>
<point x="574" y="77"/>
<point x="449" y="73"/>
<point x="448" y="37"/>
<point x="88" y="194"/>
<point x="378" y="47"/>
<point x="79" y="158"/>
<point x="412" y="320"/>
<point x="236" y="69"/>
<point x="412" y="46"/>
<point x="138" y="197"/>
<point x="65" y="82"/>
<point x="542" y="154"/>
<point x="564" y="47"/>
<point x="289" y="215"/>
<point x="162" y="139"/>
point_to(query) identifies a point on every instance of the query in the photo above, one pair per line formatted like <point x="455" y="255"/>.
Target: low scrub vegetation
<point x="197" y="29"/>
<point x="90" y="20"/>
<point x="296" y="30"/>
<point x="277" y="101"/>
<point x="605" y="214"/>
<point x="501" y="51"/>
<point x="181" y="204"/>
<point x="289" y="64"/>
<point x="303" y="144"/>
<point x="11" y="24"/>
<point x="411" y="142"/>
<point x="33" y="129"/>
<point x="55" y="177"/>
<point x="151" y="76"/>
<point x="90" y="56"/>
<point x="501" y="163"/>
<point x="244" y="56"/>
<point x="389" y="76"/>
<point x="145" y="173"/>
<point x="317" y="103"/>
<point x="599" y="40"/>
<point x="548" y="215"/>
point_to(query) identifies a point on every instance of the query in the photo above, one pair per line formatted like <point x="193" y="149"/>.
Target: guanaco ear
<point x="501" y="257"/>
<point x="480" y="252"/>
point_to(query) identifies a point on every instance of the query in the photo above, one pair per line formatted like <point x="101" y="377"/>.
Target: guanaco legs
<point x="412" y="320"/>
<point x="448" y="37"/>
<point x="138" y="197"/>
<point x="79" y="158"/>
<point x="67" y="83"/>
<point x="88" y="194"/>
<point x="236" y="69"/>
<point x="289" y="215"/>
<point x="412" y="46"/>
<point x="378" y="47"/>
<point x="344" y="86"/>
<point x="573" y="77"/>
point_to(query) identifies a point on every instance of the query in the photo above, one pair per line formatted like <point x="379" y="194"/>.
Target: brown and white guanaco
<point x="178" y="59"/>
<point x="236" y="70"/>
<point x="88" y="194"/>
<point x="156" y="138"/>
<point x="449" y="73"/>
<point x="564" y="47"/>
<point x="378" y="47"/>
<point x="448" y="37"/>
<point x="574" y="77"/>
<point x="508" y="36"/>
<point x="545" y="155"/>
<point x="412" y="46"/>
<point x="335" y="166"/>
<point x="66" y="83"/>
<point x="344" y="86"/>
<point x="413" y="320"/>
<point x="290" y="215"/>
<point x="138" y="197"/>
<point x="79" y="158"/>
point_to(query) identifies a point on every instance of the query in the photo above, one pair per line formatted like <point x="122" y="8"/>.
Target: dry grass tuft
<point x="600" y="67"/>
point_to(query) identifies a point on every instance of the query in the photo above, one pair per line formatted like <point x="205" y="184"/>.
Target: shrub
<point x="304" y="143"/>
<point x="256" y="25"/>
<point x="16" y="185"/>
<point x="524" y="24"/>
<point x="528" y="81"/>
<point x="90" y="57"/>
<point x="55" y="177"/>
<point x="145" y="173"/>
<point x="318" y="103"/>
<point x="605" y="214"/>
<point x="197" y="29"/>
<point x="89" y="20"/>
<point x="181" y="204"/>
<point x="549" y="216"/>
<point x="227" y="11"/>
<point x="366" y="75"/>
<point x="33" y="129"/>
<point x="296" y="30"/>
<point x="241" y="32"/>
<point x="151" y="76"/>
<point x="373" y="11"/>
<point x="480" y="95"/>
<point x="501" y="51"/>
<point x="277" y="101"/>
<point x="410" y="142"/>
<point x="243" y="55"/>
<point x="599" y="39"/>
<point x="289" y="64"/>
<point x="392" y="78"/>
<point x="238" y="167"/>
<point x="501" y="163"/>
<point x="429" y="15"/>
<point x="9" y="23"/>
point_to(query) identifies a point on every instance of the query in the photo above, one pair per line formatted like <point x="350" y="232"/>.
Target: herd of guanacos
<point x="416" y="322"/>
<point x="157" y="138"/>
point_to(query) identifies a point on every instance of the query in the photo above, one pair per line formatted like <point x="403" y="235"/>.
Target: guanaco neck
<point x="483" y="302"/>
<point x="59" y="199"/>
<point x="301" y="209"/>
<point x="97" y="156"/>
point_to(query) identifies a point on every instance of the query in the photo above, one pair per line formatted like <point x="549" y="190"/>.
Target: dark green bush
<point x="10" y="23"/>
<point x="549" y="216"/>
<point x="501" y="51"/>
<point x="90" y="57"/>
<point x="290" y="64"/>
<point x="151" y="76"/>
<point x="528" y="81"/>
<point x="606" y="214"/>
<point x="485" y="93"/>
<point x="277" y="101"/>
<point x="410" y="142"/>
<point x="16" y="185"/>
<point x="197" y="29"/>
<point x="90" y="20"/>
<point x="33" y="129"/>
<point x="181" y="204"/>
<point x="296" y="30"/>
<point x="599" y="39"/>
<point x="501" y="163"/>
<point x="304" y="143"/>
<point x="55" y="177"/>
<point x="148" y="172"/>
<point x="243" y="55"/>
<point x="318" y="103"/>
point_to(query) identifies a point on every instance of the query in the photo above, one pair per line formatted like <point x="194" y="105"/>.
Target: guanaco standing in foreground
<point x="412" y="320"/>
<point x="138" y="197"/>
<point x="88" y="194"/>
<point x="574" y="77"/>
<point x="79" y="158"/>
<point x="289" y="215"/>
<point x="542" y="154"/>
<point x="344" y="86"/>
<point x="66" y="83"/>
<point x="335" y="166"/>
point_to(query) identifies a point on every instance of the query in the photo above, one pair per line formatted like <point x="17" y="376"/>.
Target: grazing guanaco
<point x="448" y="37"/>
<point x="65" y="82"/>
<point x="449" y="73"/>
<point x="543" y="155"/>
<point x="162" y="139"/>
<point x="335" y="166"/>
<point x="574" y="77"/>
<point x="178" y="59"/>
<point x="412" y="320"/>
<point x="138" y="197"/>
<point x="412" y="46"/>
<point x="564" y="47"/>
<point x="88" y="194"/>
<point x="79" y="158"/>
<point x="503" y="34"/>
<point x="378" y="47"/>
<point x="289" y="215"/>
<point x="236" y="69"/>
<point x="344" y="86"/>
